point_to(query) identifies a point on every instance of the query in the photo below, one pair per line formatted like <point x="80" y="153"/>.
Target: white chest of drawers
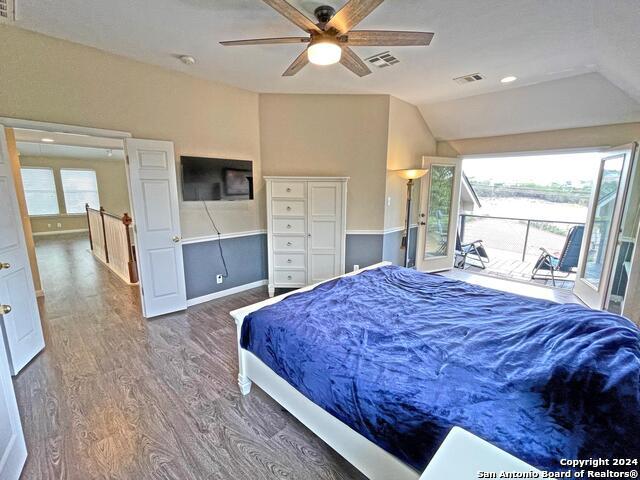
<point x="306" y="222"/>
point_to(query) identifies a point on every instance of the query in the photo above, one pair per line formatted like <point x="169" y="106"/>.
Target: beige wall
<point x="608" y="135"/>
<point x="14" y="159"/>
<point x="112" y="190"/>
<point x="52" y="80"/>
<point x="331" y="135"/>
<point x="409" y="139"/>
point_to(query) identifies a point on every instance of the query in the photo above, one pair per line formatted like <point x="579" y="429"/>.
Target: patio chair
<point x="473" y="250"/>
<point x="566" y="262"/>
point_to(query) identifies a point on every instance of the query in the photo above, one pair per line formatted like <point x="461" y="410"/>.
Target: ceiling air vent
<point x="7" y="11"/>
<point x="382" y="60"/>
<point x="473" y="77"/>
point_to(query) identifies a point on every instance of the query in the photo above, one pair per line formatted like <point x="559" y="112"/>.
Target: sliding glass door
<point x="603" y="226"/>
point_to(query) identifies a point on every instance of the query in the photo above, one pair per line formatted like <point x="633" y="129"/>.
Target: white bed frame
<point x="362" y="453"/>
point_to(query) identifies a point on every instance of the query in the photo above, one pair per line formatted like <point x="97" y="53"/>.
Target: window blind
<point x="79" y="187"/>
<point x="40" y="191"/>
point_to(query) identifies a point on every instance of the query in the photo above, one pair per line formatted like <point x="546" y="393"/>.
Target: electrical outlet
<point x="356" y="268"/>
<point x="48" y="225"/>
<point x="59" y="225"/>
<point x="219" y="278"/>
<point x="388" y="201"/>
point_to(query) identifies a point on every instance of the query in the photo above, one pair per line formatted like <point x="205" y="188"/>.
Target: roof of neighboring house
<point x="468" y="194"/>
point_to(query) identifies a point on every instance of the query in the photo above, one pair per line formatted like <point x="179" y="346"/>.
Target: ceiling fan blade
<point x="353" y="62"/>
<point x="293" y="15"/>
<point x="266" y="41"/>
<point x="297" y="65"/>
<point x="352" y="14"/>
<point x="381" y="38"/>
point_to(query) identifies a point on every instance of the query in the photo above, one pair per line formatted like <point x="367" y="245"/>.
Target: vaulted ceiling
<point x="577" y="61"/>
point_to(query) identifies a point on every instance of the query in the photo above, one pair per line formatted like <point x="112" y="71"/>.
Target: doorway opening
<point x="525" y="219"/>
<point x="73" y="197"/>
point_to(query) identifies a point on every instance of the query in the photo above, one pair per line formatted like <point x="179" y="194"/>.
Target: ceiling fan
<point x="330" y="39"/>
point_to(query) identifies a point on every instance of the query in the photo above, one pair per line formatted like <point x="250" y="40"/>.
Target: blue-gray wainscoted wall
<point x="246" y="259"/>
<point x="363" y="250"/>
<point x="392" y="250"/>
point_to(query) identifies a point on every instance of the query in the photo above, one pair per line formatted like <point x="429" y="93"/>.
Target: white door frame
<point x="62" y="128"/>
<point x="445" y="262"/>
<point x="588" y="293"/>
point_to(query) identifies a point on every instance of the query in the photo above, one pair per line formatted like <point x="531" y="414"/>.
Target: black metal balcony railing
<point x="517" y="236"/>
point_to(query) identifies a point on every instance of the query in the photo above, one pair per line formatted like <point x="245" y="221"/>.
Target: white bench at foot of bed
<point x="462" y="456"/>
<point x="366" y="456"/>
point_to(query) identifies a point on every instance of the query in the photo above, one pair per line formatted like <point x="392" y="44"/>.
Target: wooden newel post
<point x="104" y="236"/>
<point x="133" y="266"/>
<point x="86" y="209"/>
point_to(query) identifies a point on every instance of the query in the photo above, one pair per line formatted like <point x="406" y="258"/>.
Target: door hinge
<point x="127" y="159"/>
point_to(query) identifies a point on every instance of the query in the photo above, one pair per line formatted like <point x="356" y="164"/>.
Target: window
<point x="79" y="187"/>
<point x="40" y="191"/>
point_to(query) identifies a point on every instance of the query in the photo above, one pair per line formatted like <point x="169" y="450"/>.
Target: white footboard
<point x="365" y="455"/>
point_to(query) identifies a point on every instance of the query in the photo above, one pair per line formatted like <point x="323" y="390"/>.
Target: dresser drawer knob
<point x="288" y="225"/>
<point x="289" y="277"/>
<point x="288" y="208"/>
<point x="289" y="244"/>
<point x="288" y="189"/>
<point x="288" y="260"/>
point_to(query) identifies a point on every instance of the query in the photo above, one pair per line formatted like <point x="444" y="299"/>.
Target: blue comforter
<point x="402" y="356"/>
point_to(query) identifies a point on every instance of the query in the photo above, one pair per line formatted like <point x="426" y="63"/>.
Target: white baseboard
<point x="59" y="232"/>
<point x="224" y="293"/>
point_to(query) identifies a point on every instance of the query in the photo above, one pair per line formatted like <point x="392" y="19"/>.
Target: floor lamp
<point x="410" y="175"/>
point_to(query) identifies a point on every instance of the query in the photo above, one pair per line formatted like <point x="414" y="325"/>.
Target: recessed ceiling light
<point x="187" y="59"/>
<point x="509" y="79"/>
<point x="48" y="140"/>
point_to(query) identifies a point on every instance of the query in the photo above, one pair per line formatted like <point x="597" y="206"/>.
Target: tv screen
<point x="216" y="179"/>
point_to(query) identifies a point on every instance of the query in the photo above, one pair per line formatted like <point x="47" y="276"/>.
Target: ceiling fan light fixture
<point x="324" y="52"/>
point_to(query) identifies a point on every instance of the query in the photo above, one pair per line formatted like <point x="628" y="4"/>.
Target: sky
<point x="539" y="169"/>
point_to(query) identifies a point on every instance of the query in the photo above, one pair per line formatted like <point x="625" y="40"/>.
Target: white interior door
<point x="154" y="198"/>
<point x="19" y="311"/>
<point x="325" y="230"/>
<point x="439" y="204"/>
<point x="603" y="226"/>
<point x="13" y="451"/>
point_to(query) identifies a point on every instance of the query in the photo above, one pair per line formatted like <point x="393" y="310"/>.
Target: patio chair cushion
<point x="571" y="251"/>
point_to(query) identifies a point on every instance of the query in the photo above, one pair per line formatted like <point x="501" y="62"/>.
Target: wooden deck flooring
<point x="508" y="265"/>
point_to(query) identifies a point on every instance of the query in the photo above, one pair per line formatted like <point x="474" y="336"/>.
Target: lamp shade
<point x="412" y="173"/>
<point x="324" y="52"/>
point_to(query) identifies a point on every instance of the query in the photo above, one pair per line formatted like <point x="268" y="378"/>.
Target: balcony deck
<point x="509" y="265"/>
<point x="513" y="246"/>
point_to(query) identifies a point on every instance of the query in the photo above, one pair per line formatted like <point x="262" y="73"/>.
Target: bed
<point x="383" y="362"/>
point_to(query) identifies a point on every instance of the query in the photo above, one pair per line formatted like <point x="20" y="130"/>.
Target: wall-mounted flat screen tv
<point x="216" y="179"/>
